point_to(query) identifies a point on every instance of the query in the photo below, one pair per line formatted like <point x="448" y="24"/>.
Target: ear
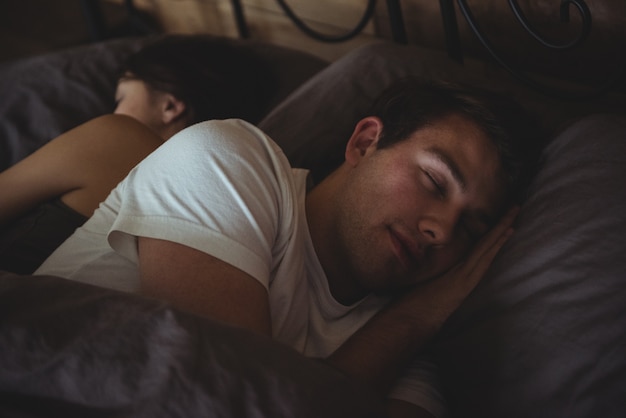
<point x="364" y="139"/>
<point x="171" y="108"/>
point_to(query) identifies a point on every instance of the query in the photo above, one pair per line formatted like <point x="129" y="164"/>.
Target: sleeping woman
<point x="166" y="86"/>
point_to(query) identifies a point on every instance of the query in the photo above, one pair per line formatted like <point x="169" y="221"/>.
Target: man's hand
<point x="201" y="284"/>
<point x="387" y="343"/>
<point x="439" y="298"/>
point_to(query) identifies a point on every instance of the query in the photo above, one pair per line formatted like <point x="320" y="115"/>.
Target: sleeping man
<point x="361" y="269"/>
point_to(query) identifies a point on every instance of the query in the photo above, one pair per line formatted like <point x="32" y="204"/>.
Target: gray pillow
<point x="544" y="334"/>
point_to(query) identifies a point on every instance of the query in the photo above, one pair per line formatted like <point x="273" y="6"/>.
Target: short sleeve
<point x="221" y="187"/>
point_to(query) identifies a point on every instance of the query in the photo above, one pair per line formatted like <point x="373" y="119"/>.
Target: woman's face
<point x="134" y="98"/>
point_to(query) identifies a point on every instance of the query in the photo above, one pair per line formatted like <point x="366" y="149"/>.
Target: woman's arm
<point x="82" y="166"/>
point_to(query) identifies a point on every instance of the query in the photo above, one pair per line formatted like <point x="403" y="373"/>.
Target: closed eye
<point x="438" y="187"/>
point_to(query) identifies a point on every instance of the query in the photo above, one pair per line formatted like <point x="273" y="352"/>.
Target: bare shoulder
<point x="106" y="148"/>
<point x="98" y="155"/>
<point x="114" y="133"/>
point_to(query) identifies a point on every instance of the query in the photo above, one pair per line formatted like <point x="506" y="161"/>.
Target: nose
<point x="437" y="230"/>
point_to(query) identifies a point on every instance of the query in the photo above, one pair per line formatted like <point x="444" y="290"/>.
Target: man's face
<point x="409" y="212"/>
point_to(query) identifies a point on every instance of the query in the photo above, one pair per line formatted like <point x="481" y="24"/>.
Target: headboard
<point x="577" y="41"/>
<point x="572" y="41"/>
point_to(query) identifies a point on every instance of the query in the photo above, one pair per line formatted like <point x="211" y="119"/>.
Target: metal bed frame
<point x="398" y="32"/>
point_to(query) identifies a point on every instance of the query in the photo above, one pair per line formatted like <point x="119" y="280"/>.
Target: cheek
<point x="135" y="109"/>
<point x="126" y="107"/>
<point x="119" y="109"/>
<point x="408" y="199"/>
<point x="377" y="187"/>
<point x="401" y="183"/>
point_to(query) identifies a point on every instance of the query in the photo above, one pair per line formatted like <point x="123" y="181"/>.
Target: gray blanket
<point x="70" y="349"/>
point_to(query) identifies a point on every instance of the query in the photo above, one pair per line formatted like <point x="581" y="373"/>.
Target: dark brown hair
<point x="413" y="103"/>
<point x="216" y="78"/>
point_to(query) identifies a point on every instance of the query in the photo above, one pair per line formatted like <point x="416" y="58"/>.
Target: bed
<point x="543" y="335"/>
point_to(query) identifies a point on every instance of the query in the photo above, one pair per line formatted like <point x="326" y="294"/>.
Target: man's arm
<point x="198" y="283"/>
<point x="386" y="344"/>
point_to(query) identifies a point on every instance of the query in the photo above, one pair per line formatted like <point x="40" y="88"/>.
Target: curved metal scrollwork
<point x="367" y="15"/>
<point x="585" y="14"/>
<point x="586" y="28"/>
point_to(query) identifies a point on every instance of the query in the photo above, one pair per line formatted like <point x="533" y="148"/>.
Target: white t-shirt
<point x="224" y="188"/>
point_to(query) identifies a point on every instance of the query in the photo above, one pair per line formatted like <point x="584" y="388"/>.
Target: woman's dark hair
<point x="413" y="103"/>
<point x="215" y="77"/>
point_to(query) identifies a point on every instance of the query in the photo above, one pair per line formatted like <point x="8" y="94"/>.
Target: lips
<point x="407" y="250"/>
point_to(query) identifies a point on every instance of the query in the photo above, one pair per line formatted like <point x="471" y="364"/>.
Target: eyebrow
<point x="451" y="165"/>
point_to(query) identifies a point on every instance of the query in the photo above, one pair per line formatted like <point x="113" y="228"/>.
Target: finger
<point x="503" y="225"/>
<point x="506" y="221"/>
<point x="482" y="263"/>
<point x="487" y="248"/>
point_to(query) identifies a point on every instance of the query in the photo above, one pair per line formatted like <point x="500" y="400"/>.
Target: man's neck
<point x="320" y="208"/>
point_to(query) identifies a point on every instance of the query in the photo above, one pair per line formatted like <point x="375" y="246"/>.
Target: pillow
<point x="46" y="95"/>
<point x="544" y="333"/>
<point x="75" y="350"/>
